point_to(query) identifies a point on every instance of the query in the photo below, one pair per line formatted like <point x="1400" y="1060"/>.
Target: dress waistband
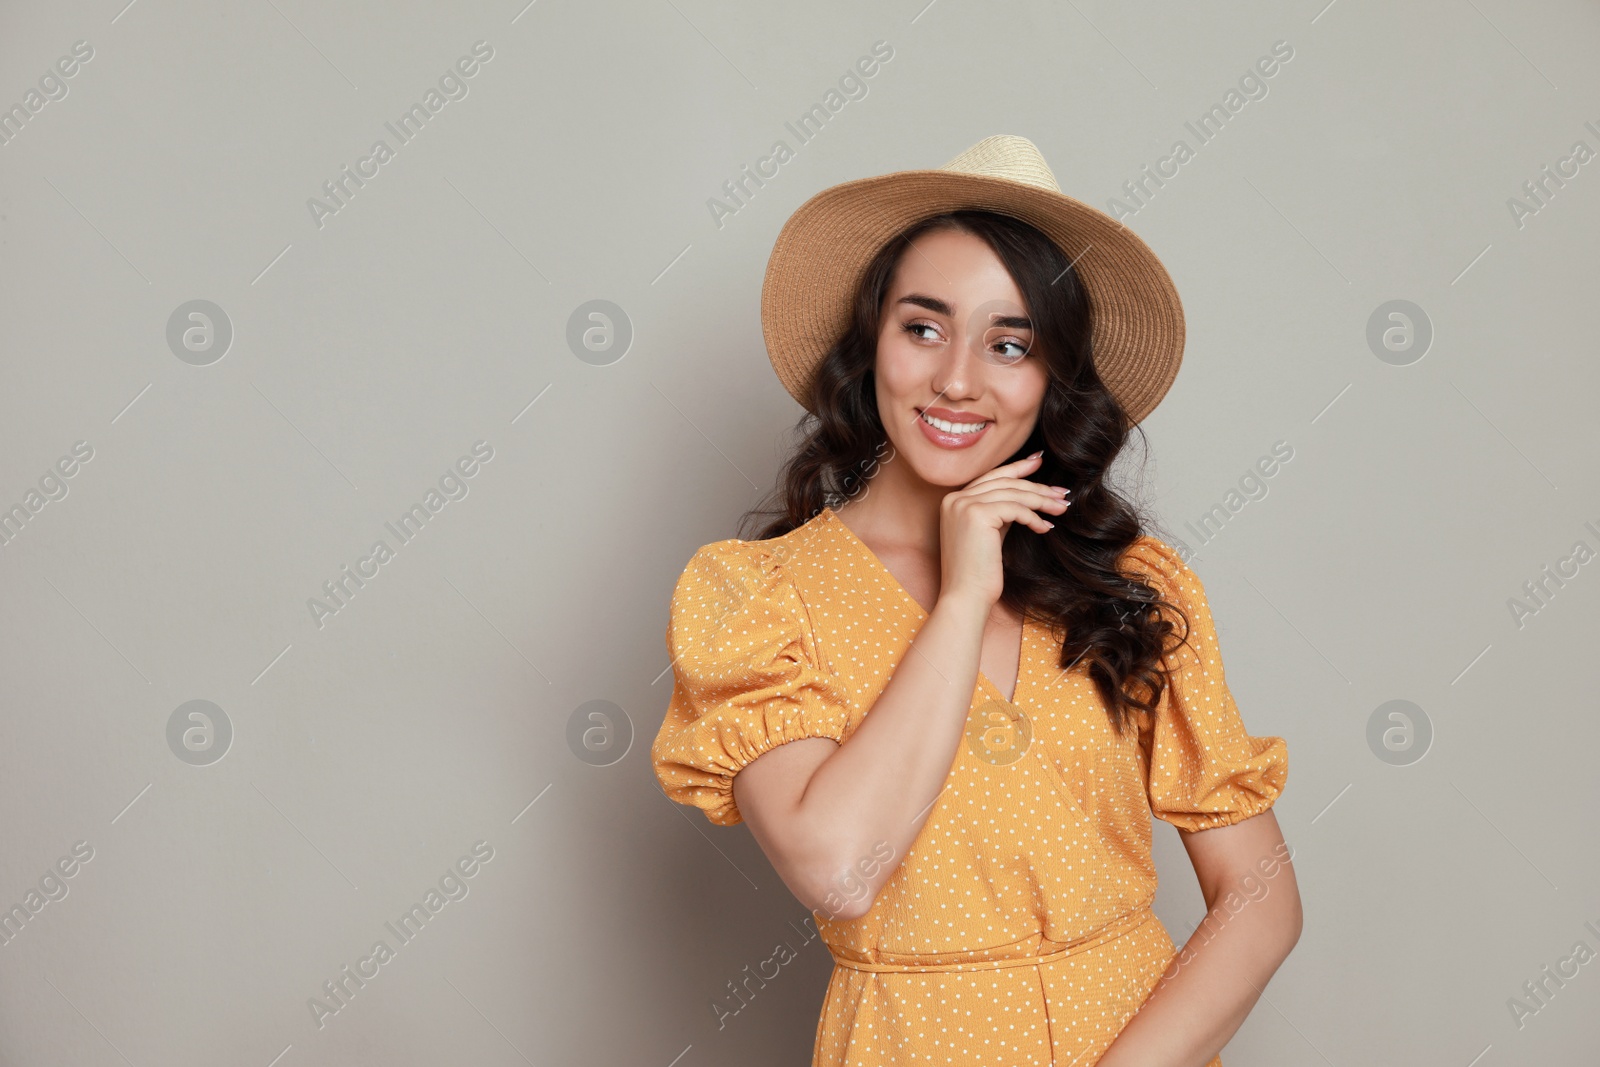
<point x="974" y="962"/>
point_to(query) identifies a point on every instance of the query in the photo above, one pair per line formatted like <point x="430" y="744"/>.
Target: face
<point x="955" y="346"/>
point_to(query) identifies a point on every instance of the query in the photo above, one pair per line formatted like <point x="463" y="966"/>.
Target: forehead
<point x="958" y="267"/>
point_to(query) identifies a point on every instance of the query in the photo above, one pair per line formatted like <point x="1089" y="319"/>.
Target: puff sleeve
<point x="1202" y="769"/>
<point x="745" y="675"/>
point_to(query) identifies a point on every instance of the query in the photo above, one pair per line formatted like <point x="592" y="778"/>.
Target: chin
<point x="951" y="469"/>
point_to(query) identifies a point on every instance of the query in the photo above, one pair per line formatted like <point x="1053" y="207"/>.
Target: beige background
<point x="369" y="354"/>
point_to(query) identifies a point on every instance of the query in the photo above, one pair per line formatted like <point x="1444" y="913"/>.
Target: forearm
<point x="1210" y="985"/>
<point x="879" y="786"/>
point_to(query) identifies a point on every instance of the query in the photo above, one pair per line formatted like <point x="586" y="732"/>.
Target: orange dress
<point x="1018" y="927"/>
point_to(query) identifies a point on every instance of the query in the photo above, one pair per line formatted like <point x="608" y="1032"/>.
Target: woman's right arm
<point x="827" y="815"/>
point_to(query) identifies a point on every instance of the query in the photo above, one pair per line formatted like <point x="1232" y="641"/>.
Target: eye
<point x="913" y="327"/>
<point x="1021" y="349"/>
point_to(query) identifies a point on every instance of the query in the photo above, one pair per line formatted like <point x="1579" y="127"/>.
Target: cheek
<point x="1021" y="397"/>
<point x="896" y="371"/>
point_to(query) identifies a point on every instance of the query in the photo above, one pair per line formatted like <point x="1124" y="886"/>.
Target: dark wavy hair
<point x="1066" y="578"/>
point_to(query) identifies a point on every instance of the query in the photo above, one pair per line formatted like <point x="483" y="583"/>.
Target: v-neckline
<point x="871" y="557"/>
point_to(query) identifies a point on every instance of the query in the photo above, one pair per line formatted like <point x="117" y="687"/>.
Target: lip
<point x="952" y="441"/>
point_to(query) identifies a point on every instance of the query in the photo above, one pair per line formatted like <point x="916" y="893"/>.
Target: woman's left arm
<point x="1253" y="921"/>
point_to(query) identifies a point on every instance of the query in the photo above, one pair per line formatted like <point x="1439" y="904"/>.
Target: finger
<point x="1010" y="512"/>
<point x="1026" y="493"/>
<point x="1030" y="498"/>
<point x="1006" y="470"/>
<point x="1019" y="483"/>
<point x="1000" y="514"/>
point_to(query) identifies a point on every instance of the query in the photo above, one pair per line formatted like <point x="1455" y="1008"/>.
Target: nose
<point x="958" y="374"/>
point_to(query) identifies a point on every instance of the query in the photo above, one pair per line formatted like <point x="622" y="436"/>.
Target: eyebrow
<point x="934" y="304"/>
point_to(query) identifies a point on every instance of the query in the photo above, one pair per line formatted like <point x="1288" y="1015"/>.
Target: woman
<point x="952" y="680"/>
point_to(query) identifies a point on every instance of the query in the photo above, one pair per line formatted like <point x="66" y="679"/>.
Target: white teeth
<point x="953" y="427"/>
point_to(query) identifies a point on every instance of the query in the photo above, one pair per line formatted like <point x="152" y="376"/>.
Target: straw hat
<point x="824" y="248"/>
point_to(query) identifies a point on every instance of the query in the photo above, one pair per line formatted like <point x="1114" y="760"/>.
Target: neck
<point x="897" y="508"/>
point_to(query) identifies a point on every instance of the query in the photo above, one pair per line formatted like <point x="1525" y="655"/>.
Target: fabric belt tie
<point x="1110" y="932"/>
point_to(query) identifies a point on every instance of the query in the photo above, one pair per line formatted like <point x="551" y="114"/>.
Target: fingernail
<point x="1037" y="454"/>
<point x="1050" y="524"/>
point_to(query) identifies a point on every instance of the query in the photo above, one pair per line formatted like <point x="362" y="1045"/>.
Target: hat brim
<point x="824" y="248"/>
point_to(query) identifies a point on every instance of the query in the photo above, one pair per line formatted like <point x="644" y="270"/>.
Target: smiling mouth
<point x="945" y="426"/>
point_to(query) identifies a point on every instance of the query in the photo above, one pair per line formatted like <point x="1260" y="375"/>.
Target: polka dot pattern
<point x="1017" y="929"/>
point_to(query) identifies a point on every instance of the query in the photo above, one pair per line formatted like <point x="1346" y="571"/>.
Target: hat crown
<point x="1007" y="156"/>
